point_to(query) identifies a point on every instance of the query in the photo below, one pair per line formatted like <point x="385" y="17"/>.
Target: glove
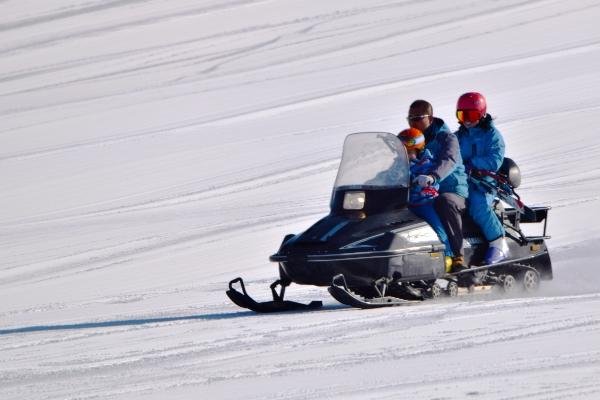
<point x="424" y="180"/>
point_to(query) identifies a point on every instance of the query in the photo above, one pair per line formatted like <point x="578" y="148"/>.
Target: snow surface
<point x="153" y="150"/>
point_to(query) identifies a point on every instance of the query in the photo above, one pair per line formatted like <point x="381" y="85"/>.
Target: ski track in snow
<point x="103" y="6"/>
<point x="255" y="183"/>
<point x="339" y="329"/>
<point x="537" y="56"/>
<point x="119" y="295"/>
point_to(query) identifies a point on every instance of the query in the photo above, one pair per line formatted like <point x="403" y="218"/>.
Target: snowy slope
<point x="153" y="150"/>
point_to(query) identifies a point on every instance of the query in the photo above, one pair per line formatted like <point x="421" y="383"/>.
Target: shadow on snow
<point x="125" y="322"/>
<point x="144" y="321"/>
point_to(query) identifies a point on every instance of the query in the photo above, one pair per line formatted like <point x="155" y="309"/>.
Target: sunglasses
<point x="468" y="116"/>
<point x="417" y="117"/>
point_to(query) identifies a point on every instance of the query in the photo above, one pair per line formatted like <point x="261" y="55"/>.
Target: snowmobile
<point x="372" y="251"/>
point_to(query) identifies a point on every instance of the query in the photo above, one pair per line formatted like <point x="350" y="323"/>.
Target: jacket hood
<point x="438" y="125"/>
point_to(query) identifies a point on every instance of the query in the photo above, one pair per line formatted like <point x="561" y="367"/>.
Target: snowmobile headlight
<point x="354" y="200"/>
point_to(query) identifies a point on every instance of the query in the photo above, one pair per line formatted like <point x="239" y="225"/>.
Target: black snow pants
<point x="450" y="208"/>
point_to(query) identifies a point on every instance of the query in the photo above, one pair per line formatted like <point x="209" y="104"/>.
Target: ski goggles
<point x="412" y="118"/>
<point x="468" y="116"/>
<point x="416" y="143"/>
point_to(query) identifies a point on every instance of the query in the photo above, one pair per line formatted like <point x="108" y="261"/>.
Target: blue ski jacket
<point x="482" y="146"/>
<point x="422" y="166"/>
<point x="449" y="170"/>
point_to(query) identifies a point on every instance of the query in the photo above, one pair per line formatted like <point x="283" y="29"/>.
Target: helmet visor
<point x="468" y="116"/>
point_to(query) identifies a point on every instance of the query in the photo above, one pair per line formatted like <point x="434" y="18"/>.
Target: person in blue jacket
<point x="421" y="199"/>
<point x="482" y="149"/>
<point x="448" y="172"/>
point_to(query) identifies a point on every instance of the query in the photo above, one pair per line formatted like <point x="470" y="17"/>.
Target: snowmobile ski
<point x="339" y="291"/>
<point x="277" y="305"/>
<point x="345" y="297"/>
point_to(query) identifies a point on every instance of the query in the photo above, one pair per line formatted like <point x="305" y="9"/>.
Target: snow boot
<point x="458" y="264"/>
<point x="496" y="252"/>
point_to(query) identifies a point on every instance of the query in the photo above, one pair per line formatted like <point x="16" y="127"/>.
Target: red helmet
<point x="471" y="107"/>
<point x="412" y="138"/>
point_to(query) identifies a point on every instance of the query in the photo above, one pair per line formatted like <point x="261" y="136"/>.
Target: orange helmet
<point x="413" y="139"/>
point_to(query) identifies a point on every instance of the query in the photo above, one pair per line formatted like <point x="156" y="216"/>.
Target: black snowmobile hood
<point x="335" y="238"/>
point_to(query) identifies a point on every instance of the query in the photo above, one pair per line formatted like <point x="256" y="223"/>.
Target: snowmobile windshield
<point x="373" y="160"/>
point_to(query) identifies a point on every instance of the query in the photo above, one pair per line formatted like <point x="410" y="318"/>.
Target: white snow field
<point x="153" y="150"/>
